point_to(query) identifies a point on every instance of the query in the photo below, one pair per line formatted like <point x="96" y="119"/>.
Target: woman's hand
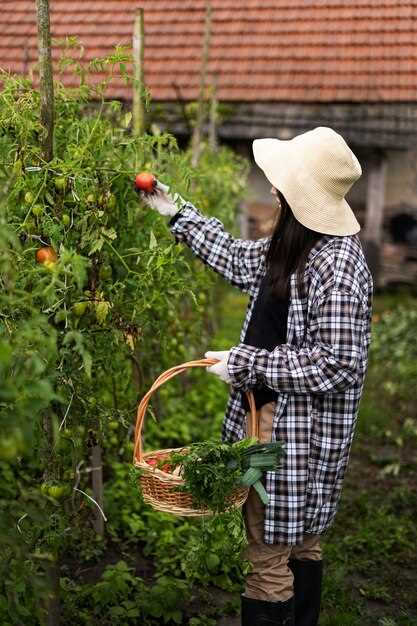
<point x="220" y="368"/>
<point x="161" y="200"/>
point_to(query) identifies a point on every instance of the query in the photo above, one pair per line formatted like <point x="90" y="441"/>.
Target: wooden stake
<point x="49" y="602"/>
<point x="375" y="199"/>
<point x="138" y="72"/>
<point x="198" y="128"/>
<point x="97" y="485"/>
<point x="213" y="141"/>
<point x="94" y="444"/>
<point x="46" y="91"/>
<point x="46" y="84"/>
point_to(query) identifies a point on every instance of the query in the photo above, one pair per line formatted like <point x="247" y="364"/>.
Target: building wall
<point x="401" y="181"/>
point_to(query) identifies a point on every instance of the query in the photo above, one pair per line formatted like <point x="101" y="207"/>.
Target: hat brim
<point x="313" y="206"/>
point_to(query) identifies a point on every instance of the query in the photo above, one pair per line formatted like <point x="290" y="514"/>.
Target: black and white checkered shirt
<point x="318" y="373"/>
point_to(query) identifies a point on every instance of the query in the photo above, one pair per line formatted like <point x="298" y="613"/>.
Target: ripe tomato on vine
<point x="145" y="181"/>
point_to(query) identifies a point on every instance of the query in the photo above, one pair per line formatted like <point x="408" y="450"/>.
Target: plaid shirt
<point x="318" y="373"/>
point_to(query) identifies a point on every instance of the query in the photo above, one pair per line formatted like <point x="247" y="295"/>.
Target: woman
<point x="303" y="351"/>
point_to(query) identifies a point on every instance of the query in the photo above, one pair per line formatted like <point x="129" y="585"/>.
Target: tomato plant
<point x="96" y="300"/>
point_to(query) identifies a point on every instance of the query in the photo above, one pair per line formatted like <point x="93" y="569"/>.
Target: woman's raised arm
<point x="237" y="260"/>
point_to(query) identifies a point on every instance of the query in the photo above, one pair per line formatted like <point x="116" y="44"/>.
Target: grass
<point x="370" y="564"/>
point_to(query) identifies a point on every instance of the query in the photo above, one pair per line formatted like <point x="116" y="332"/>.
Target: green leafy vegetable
<point x="213" y="470"/>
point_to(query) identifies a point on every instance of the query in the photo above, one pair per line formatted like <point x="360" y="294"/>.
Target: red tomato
<point x="145" y="181"/>
<point x="152" y="462"/>
<point x="166" y="468"/>
<point x="46" y="255"/>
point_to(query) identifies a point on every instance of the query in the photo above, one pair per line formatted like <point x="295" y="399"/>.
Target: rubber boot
<point x="308" y="575"/>
<point x="261" y="613"/>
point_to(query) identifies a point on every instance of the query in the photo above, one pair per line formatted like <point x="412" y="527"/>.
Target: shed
<point x="281" y="67"/>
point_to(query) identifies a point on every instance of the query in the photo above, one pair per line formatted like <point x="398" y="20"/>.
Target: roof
<point x="261" y="51"/>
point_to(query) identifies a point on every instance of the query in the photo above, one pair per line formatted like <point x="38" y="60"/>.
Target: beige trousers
<point x="270" y="577"/>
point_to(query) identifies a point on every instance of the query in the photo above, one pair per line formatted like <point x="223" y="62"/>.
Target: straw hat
<point x="314" y="171"/>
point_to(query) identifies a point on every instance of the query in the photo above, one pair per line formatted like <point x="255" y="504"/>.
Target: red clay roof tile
<point x="275" y="50"/>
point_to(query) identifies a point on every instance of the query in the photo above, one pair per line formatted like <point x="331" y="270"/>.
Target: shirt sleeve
<point x="174" y="218"/>
<point x="237" y="260"/>
<point x="329" y="365"/>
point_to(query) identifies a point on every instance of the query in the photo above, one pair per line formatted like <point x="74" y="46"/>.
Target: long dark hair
<point x="291" y="243"/>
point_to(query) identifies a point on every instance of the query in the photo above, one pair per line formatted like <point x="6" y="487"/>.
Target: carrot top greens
<point x="213" y="470"/>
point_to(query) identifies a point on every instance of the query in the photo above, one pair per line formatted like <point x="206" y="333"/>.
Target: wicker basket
<point x="157" y="486"/>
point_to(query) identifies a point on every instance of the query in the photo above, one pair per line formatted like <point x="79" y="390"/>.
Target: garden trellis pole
<point x="46" y="91"/>
<point x="374" y="216"/>
<point x="96" y="460"/>
<point x="138" y="46"/>
<point x="96" y="452"/>
<point x="46" y="82"/>
<point x="213" y="117"/>
<point x="198" y="128"/>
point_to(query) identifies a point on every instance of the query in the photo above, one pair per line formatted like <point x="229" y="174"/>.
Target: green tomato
<point x="79" y="308"/>
<point x="65" y="219"/>
<point x="60" y="183"/>
<point x="212" y="561"/>
<point x="9" y="448"/>
<point x="45" y="488"/>
<point x="29" y="226"/>
<point x="113" y="425"/>
<point x="37" y="210"/>
<point x="57" y="491"/>
<point x="91" y="198"/>
<point x="105" y="272"/>
<point x="28" y="197"/>
<point x="18" y="168"/>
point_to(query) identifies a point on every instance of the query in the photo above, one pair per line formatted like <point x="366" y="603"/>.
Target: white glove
<point x="161" y="200"/>
<point x="220" y="368"/>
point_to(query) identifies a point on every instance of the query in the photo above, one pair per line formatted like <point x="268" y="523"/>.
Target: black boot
<point x="307" y="590"/>
<point x="261" y="613"/>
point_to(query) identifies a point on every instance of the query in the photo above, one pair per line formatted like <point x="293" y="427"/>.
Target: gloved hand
<point x="220" y="368"/>
<point x="161" y="200"/>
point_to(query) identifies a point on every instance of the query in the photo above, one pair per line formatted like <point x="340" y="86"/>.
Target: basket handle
<point x="164" y="377"/>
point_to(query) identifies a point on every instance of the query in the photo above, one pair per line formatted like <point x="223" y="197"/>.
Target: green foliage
<point x="370" y="550"/>
<point x="392" y="377"/>
<point x="121" y="597"/>
<point x="394" y="340"/>
<point x="83" y="337"/>
<point x="212" y="471"/>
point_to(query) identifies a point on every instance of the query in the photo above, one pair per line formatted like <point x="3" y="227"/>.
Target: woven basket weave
<point x="157" y="486"/>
